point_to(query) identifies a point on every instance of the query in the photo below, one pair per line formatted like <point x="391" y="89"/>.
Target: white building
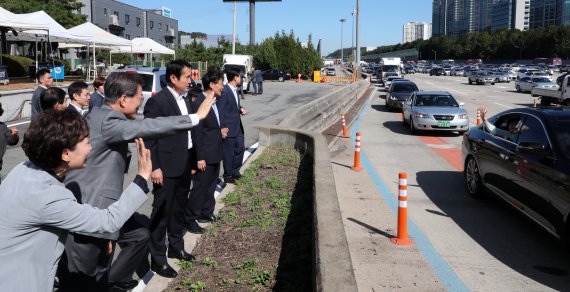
<point x="415" y="31"/>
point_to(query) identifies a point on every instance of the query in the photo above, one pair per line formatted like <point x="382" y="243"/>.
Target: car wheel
<point x="497" y="80"/>
<point x="281" y="79"/>
<point x="518" y="88"/>
<point x="472" y="177"/>
<point x="388" y="108"/>
<point x="470" y="82"/>
<point x="492" y="83"/>
<point x="412" y="127"/>
<point x="404" y="119"/>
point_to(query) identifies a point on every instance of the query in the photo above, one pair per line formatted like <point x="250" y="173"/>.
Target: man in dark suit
<point x="98" y="96"/>
<point x="79" y="94"/>
<point x="45" y="80"/>
<point x="172" y="167"/>
<point x="259" y="80"/>
<point x="230" y="117"/>
<point x="100" y="183"/>
<point x="208" y="145"/>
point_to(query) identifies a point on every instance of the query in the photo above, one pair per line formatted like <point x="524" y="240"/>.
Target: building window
<point x="167" y="27"/>
<point x="128" y="36"/>
<point x="127" y="19"/>
<point x="105" y="11"/>
<point x="138" y="21"/>
<point x="151" y="24"/>
<point x="159" y="26"/>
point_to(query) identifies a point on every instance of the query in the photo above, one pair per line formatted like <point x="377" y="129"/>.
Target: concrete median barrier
<point x="332" y="264"/>
<point x="324" y="111"/>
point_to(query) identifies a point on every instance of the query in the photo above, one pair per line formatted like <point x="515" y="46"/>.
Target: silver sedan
<point x="434" y="111"/>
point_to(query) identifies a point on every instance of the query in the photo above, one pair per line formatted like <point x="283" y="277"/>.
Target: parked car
<point x="330" y="72"/>
<point x="528" y="83"/>
<point x="500" y="77"/>
<point x="524" y="72"/>
<point x="409" y="69"/>
<point x="434" y="111"/>
<point x="524" y="161"/>
<point x="273" y="74"/>
<point x="154" y="79"/>
<point x="480" y="77"/>
<point x="565" y="68"/>
<point x="437" y="71"/>
<point x="446" y="70"/>
<point x="399" y="91"/>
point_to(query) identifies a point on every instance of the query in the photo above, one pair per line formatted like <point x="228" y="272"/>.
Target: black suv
<point x="524" y="158"/>
<point x="399" y="91"/>
<point x="437" y="71"/>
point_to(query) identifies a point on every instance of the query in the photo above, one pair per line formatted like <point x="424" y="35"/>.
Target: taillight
<point x="153" y="93"/>
<point x="131" y="72"/>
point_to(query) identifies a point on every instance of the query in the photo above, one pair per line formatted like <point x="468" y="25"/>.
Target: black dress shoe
<point x="193" y="227"/>
<point x="207" y="219"/>
<point x="230" y="180"/>
<point x="237" y="176"/>
<point x="124" y="285"/>
<point x="180" y="254"/>
<point x="163" y="270"/>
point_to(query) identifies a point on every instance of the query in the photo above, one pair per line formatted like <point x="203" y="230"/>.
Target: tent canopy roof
<point x="99" y="35"/>
<point x="20" y="22"/>
<point x="57" y="33"/>
<point x="143" y="46"/>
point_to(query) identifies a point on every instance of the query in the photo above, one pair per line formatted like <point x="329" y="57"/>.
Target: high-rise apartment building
<point x="416" y="31"/>
<point x="456" y="17"/>
<point x="544" y="13"/>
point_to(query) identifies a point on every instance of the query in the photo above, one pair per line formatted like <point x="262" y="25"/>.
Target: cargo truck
<point x="549" y="96"/>
<point x="391" y="65"/>
<point x="241" y="63"/>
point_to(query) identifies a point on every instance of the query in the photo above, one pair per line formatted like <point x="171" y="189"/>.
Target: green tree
<point x="62" y="11"/>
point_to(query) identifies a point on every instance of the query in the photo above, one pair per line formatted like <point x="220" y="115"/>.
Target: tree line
<point x="547" y="42"/>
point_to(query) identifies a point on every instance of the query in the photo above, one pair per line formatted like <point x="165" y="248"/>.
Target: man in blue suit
<point x="230" y="112"/>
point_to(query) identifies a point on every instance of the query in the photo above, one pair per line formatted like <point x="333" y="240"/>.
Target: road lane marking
<point x="500" y="104"/>
<point x="462" y="93"/>
<point x="435" y="260"/>
<point x="446" y="151"/>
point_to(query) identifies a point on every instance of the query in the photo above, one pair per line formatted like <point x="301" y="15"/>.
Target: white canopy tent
<point x="19" y="22"/>
<point x="144" y="46"/>
<point x="99" y="38"/>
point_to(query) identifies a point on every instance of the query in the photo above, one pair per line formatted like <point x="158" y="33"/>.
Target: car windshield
<point x="436" y="100"/>
<point x="483" y="74"/>
<point x="541" y="80"/>
<point x="404" y="87"/>
<point x="392" y="78"/>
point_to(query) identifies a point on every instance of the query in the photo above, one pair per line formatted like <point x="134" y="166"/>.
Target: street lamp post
<point x="342" y="20"/>
<point x="352" y="43"/>
<point x="435" y="56"/>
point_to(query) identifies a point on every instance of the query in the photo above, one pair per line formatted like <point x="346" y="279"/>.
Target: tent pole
<point x="94" y="63"/>
<point x="36" y="51"/>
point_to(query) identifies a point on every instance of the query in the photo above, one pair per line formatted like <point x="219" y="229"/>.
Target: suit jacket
<point x="36" y="213"/>
<point x="71" y="107"/>
<point x="35" y="103"/>
<point x="230" y="116"/>
<point x="170" y="153"/>
<point x="96" y="100"/>
<point x="207" y="135"/>
<point x="6" y="138"/>
<point x="99" y="184"/>
<point x="258" y="76"/>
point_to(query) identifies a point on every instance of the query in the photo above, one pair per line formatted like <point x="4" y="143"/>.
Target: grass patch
<point x="263" y="239"/>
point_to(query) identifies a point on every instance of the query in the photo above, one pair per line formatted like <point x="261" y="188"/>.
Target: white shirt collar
<point x="175" y="94"/>
<point x="79" y="110"/>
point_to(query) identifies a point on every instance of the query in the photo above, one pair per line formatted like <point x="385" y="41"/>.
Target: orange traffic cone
<point x="478" y="117"/>
<point x="344" y="134"/>
<point x="402" y="238"/>
<point x="357" y="166"/>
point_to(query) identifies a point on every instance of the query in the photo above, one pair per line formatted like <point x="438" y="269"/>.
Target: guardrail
<point x="324" y="111"/>
<point x="332" y="264"/>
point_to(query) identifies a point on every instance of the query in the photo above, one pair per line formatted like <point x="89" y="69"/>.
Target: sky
<point x="381" y="21"/>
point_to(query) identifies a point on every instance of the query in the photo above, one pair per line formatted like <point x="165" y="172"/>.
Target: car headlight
<point x="462" y="117"/>
<point x="418" y="115"/>
<point x="392" y="97"/>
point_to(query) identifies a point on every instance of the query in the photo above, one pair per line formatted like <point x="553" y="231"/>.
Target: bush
<point x="17" y="65"/>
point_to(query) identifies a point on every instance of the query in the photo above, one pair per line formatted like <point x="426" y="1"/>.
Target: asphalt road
<point x="489" y="246"/>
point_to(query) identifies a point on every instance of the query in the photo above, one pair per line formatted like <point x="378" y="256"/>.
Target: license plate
<point x="443" y="124"/>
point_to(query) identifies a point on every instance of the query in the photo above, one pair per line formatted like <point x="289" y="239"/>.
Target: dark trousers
<point x="201" y="202"/>
<point x="254" y="87"/>
<point x="86" y="266"/>
<point x="167" y="217"/>
<point x="260" y="87"/>
<point x="233" y="149"/>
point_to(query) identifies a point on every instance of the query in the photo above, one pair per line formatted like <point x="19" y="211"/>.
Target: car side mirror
<point x="532" y="147"/>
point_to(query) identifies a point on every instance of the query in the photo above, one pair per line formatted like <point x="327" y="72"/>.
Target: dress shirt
<point x="234" y="90"/>
<point x="183" y="110"/>
<point x="215" y="108"/>
<point x="79" y="110"/>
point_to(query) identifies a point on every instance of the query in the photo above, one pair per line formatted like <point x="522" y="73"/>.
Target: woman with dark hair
<point x="53" y="98"/>
<point x="37" y="211"/>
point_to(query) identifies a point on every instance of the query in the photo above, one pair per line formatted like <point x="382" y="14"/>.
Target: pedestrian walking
<point x="43" y="76"/>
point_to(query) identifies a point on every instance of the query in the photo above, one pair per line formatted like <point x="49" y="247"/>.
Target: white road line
<point x="503" y="105"/>
<point x="442" y="146"/>
<point x="462" y="93"/>
<point x="17" y="124"/>
<point x="502" y="87"/>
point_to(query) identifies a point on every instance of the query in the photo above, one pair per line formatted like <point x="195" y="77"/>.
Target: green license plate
<point x="443" y="124"/>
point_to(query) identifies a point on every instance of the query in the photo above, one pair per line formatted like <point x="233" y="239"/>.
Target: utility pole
<point x="358" y="36"/>
<point x="352" y="43"/>
<point x="342" y="20"/>
<point x="234" y="31"/>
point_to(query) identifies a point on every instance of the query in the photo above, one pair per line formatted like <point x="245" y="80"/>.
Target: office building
<point x="456" y="17"/>
<point x="131" y="22"/>
<point x="416" y="31"/>
<point x="544" y="13"/>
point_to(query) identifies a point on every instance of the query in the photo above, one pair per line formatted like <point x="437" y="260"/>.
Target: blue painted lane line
<point x="438" y="264"/>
